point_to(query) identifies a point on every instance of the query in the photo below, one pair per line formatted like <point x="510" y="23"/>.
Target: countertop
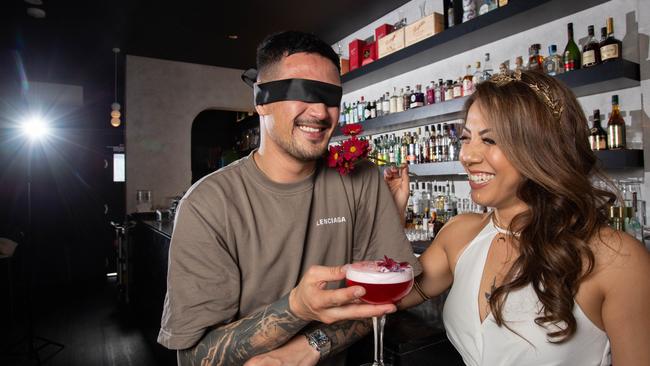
<point x="164" y="227"/>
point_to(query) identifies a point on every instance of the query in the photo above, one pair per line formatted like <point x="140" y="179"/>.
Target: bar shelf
<point x="517" y="16"/>
<point x="606" y="77"/>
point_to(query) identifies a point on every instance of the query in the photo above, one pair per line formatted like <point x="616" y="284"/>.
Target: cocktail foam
<point x="370" y="272"/>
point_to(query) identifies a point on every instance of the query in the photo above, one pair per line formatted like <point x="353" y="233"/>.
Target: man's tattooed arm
<point x="235" y="343"/>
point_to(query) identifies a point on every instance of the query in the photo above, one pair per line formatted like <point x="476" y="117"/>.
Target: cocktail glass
<point x="383" y="286"/>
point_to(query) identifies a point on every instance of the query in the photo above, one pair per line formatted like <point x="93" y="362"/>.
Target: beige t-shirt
<point x="242" y="241"/>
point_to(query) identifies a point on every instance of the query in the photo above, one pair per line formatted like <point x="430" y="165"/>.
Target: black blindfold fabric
<point x="304" y="90"/>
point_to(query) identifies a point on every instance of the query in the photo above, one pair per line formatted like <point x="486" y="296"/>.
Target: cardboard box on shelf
<point x="382" y="31"/>
<point x="390" y="43"/>
<point x="356" y="51"/>
<point x="345" y="66"/>
<point x="369" y="53"/>
<point x="423" y="28"/>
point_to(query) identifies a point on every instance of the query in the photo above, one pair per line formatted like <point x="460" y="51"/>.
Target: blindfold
<point x="304" y="90"/>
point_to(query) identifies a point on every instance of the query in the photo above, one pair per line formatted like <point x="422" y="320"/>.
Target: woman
<point x="542" y="279"/>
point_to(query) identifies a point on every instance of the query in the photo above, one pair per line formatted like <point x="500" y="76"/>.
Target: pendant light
<point x="115" y="107"/>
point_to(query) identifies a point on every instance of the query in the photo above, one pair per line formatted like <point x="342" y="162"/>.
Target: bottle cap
<point x="552" y="48"/>
<point x="614" y="99"/>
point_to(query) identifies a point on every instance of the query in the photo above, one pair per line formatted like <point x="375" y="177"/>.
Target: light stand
<point x="34" y="129"/>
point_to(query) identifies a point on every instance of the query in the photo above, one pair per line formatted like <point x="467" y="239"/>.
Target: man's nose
<point x="318" y="111"/>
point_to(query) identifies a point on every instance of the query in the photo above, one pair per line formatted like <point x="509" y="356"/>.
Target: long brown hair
<point x="547" y="143"/>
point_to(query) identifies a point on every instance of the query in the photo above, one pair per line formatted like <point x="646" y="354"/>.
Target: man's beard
<point x="305" y="152"/>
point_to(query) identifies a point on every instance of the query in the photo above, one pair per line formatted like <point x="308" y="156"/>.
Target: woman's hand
<point x="397" y="179"/>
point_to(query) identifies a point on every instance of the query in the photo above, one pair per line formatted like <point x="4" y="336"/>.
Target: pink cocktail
<point x="385" y="282"/>
<point x="382" y="286"/>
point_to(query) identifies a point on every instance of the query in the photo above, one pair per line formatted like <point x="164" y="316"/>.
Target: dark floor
<point x="92" y="326"/>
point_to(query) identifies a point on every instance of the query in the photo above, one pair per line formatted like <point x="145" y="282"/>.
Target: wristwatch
<point x="319" y="341"/>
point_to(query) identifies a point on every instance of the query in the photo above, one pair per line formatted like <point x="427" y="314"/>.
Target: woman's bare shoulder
<point x="461" y="229"/>
<point x="619" y="257"/>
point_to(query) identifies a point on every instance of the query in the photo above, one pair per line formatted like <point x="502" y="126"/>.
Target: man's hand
<point x="296" y="352"/>
<point x="311" y="301"/>
<point x="398" y="183"/>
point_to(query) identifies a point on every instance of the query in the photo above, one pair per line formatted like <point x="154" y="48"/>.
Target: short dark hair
<point x="278" y="45"/>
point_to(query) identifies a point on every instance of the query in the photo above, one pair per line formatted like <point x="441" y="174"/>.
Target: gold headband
<point x="542" y="91"/>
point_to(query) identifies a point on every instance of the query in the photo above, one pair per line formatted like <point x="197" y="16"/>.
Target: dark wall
<point x="72" y="241"/>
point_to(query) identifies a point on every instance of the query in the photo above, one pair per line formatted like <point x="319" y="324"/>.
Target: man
<point x="247" y="234"/>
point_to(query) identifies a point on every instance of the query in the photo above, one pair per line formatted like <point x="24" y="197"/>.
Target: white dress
<point x="487" y="344"/>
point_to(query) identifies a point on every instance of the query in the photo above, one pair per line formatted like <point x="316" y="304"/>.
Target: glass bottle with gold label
<point x="591" y="51"/>
<point x="615" y="127"/>
<point x="610" y="48"/>
<point x="597" y="135"/>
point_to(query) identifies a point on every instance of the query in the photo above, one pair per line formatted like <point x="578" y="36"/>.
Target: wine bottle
<point x="571" y="52"/>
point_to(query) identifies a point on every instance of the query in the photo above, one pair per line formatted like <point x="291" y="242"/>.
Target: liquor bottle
<point x="404" y="151"/>
<point x="468" y="85"/>
<point x="400" y="101"/>
<point x="571" y="52"/>
<point x="393" y="101"/>
<point x="417" y="97"/>
<point x="611" y="48"/>
<point x="433" y="157"/>
<point x="373" y="109"/>
<point x="553" y="64"/>
<point x="417" y="149"/>
<point x="615" y="127"/>
<point x="343" y="114"/>
<point x="354" y="113"/>
<point x="469" y="10"/>
<point x="426" y="141"/>
<point x="424" y="151"/>
<point x="406" y="98"/>
<point x="445" y="142"/>
<point x="487" y="68"/>
<point x="503" y="68"/>
<point x="591" y="50"/>
<point x="439" y="142"/>
<point x="411" y="151"/>
<point x="361" y="108"/>
<point x="450" y="15"/>
<point x="597" y="136"/>
<point x="535" y="61"/>
<point x="379" y="107"/>
<point x="478" y="74"/>
<point x="431" y="93"/>
<point x="519" y="64"/>
<point x="452" y="149"/>
<point x="385" y="105"/>
<point x="439" y="93"/>
<point x="367" y="111"/>
<point x="458" y="88"/>
<point x="449" y="90"/>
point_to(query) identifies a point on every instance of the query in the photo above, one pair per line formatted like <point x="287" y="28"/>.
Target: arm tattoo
<point x="235" y="343"/>
<point x="344" y="333"/>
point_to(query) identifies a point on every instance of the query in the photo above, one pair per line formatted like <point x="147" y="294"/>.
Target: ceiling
<point x="73" y="43"/>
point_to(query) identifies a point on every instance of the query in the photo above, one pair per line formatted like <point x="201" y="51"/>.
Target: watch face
<point x="320" y="341"/>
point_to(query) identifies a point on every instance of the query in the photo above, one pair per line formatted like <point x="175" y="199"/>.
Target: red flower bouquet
<point x="344" y="156"/>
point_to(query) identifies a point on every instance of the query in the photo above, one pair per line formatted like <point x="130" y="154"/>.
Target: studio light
<point x="35" y="128"/>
